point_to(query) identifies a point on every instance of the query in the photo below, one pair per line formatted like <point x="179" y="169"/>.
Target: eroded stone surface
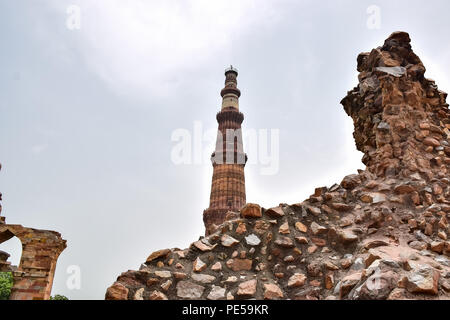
<point x="189" y="290"/>
<point x="247" y="288"/>
<point x="272" y="292"/>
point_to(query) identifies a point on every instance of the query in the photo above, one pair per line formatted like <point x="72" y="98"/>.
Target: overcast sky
<point x="87" y="114"/>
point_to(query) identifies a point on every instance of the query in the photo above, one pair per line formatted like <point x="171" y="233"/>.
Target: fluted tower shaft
<point x="228" y="160"/>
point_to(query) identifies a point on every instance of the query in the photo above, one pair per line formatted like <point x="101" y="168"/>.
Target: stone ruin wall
<point x="380" y="234"/>
<point x="33" y="278"/>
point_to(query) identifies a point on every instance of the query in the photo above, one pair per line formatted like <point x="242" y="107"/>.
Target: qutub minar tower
<point x="228" y="160"/>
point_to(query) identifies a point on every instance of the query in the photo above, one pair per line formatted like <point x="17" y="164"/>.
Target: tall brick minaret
<point x="228" y="160"/>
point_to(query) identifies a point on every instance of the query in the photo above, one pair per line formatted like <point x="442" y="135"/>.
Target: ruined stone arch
<point x="33" y="278"/>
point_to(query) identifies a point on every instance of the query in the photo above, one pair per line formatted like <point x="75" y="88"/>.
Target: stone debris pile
<point x="380" y="234"/>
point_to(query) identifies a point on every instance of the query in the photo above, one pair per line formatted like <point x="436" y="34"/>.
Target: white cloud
<point x="139" y="47"/>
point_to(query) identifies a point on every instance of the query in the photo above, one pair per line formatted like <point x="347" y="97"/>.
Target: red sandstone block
<point x="251" y="210"/>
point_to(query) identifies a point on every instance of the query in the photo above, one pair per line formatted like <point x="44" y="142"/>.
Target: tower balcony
<point x="230" y="90"/>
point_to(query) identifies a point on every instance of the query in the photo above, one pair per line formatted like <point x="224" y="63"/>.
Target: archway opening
<point x="13" y="247"/>
<point x="10" y="256"/>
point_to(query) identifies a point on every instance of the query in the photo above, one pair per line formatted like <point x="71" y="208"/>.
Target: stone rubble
<point x="380" y="234"/>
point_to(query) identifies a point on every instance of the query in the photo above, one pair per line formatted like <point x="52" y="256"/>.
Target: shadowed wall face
<point x="228" y="182"/>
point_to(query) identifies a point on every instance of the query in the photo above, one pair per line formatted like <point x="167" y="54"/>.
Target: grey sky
<point x="87" y="115"/>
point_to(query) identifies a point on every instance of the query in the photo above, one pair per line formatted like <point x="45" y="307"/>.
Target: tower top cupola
<point x="230" y="93"/>
<point x="231" y="69"/>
